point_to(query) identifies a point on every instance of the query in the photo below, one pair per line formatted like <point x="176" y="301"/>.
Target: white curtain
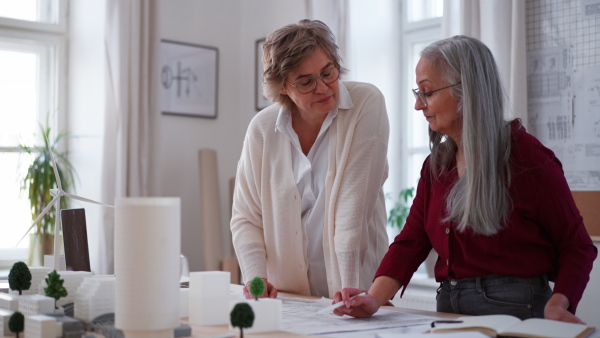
<point x="131" y="54"/>
<point x="500" y="24"/>
<point x="334" y="13"/>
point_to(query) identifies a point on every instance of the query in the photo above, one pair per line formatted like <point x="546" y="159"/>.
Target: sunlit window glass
<point x="45" y="11"/>
<point x="419" y="10"/>
<point x="24" y="90"/>
<point x="419" y="137"/>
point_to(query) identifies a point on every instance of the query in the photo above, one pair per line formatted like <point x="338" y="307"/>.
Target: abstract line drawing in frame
<point x="189" y="79"/>
<point x="260" y="100"/>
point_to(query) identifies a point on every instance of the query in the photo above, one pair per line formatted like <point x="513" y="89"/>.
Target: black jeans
<point x="520" y="297"/>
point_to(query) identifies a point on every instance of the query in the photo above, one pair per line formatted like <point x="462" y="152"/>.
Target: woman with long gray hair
<point x="492" y="201"/>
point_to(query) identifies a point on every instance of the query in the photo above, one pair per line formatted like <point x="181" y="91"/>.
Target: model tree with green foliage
<point x="242" y="316"/>
<point x="19" y="277"/>
<point x="16" y="323"/>
<point x="55" y="288"/>
<point x="256" y="287"/>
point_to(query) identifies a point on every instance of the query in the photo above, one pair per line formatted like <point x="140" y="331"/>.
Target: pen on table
<point x="338" y="304"/>
<point x="445" y="322"/>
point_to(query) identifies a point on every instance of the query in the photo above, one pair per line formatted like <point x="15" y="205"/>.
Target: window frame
<point x="412" y="32"/>
<point x="54" y="36"/>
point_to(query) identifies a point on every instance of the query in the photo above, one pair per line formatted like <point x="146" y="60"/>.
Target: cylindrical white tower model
<point x="147" y="249"/>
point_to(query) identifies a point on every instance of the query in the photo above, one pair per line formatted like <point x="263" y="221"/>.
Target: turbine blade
<point x="58" y="183"/>
<point x="39" y="217"/>
<point x="83" y="199"/>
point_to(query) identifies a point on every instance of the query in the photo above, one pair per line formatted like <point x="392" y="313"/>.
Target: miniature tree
<point x="256" y="287"/>
<point x="19" y="277"/>
<point x="242" y="316"/>
<point x="16" y="323"/>
<point x="55" y="287"/>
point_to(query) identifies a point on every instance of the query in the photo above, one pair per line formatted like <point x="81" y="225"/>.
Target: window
<point x="421" y="26"/>
<point x="32" y="59"/>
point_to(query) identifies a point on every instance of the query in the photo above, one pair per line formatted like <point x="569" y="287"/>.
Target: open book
<point x="504" y="325"/>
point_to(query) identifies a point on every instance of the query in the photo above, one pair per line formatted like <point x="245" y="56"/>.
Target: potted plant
<point x="37" y="183"/>
<point x="401" y="208"/>
<point x="397" y="218"/>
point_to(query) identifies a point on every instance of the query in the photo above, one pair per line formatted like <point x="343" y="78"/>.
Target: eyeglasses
<point x="309" y="84"/>
<point x="423" y="96"/>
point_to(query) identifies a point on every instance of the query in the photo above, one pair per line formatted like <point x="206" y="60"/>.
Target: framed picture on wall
<point x="189" y="79"/>
<point x="261" y="101"/>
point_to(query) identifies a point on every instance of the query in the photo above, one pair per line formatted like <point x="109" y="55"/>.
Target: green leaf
<point x="401" y="208"/>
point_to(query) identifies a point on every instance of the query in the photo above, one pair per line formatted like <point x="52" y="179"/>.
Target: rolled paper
<point x="147" y="263"/>
<point x="210" y="205"/>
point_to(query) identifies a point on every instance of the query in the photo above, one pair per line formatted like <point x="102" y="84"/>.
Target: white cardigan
<point x="266" y="223"/>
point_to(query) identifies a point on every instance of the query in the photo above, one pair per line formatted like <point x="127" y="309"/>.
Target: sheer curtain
<point x="334" y="13"/>
<point x="131" y="47"/>
<point x="500" y="24"/>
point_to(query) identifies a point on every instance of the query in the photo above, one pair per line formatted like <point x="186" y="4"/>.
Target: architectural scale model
<point x="209" y="298"/>
<point x="38" y="274"/>
<point x="31" y="305"/>
<point x="4" y="317"/>
<point x="41" y="326"/>
<point x="267" y="311"/>
<point x="143" y="224"/>
<point x="9" y="302"/>
<point x="95" y="297"/>
<point x="73" y="280"/>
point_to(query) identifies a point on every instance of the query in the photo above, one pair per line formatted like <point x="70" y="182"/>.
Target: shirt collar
<point x="344" y="102"/>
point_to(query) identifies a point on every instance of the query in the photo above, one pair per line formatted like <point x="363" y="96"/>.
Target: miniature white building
<point x="36" y="304"/>
<point x="267" y="314"/>
<point x="41" y="326"/>
<point x="4" y="317"/>
<point x="72" y="281"/>
<point x="38" y="274"/>
<point x="209" y="298"/>
<point x="95" y="297"/>
<point x="9" y="302"/>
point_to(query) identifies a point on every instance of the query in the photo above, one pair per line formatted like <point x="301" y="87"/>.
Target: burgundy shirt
<point x="544" y="233"/>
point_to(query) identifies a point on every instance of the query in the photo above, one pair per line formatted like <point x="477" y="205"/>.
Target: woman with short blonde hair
<point x="309" y="212"/>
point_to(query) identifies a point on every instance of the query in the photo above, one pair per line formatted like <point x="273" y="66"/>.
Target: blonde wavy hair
<point x="286" y="48"/>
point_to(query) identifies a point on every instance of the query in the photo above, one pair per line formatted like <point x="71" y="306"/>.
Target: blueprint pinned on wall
<point x="564" y="113"/>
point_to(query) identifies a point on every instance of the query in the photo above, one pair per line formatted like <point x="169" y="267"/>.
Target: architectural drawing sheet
<point x="297" y="312"/>
<point x="564" y="113"/>
<point x="563" y="85"/>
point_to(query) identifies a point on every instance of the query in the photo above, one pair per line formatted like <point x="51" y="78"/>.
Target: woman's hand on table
<point x="270" y="291"/>
<point x="359" y="307"/>
<point x="557" y="309"/>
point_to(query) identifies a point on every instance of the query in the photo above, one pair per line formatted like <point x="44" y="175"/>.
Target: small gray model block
<point x="183" y="330"/>
<point x="71" y="327"/>
<point x="105" y="324"/>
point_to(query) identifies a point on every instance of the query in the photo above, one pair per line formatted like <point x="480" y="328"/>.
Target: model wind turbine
<point x="57" y="193"/>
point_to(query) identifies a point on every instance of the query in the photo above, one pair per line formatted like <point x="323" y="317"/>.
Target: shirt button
<point x="448" y="263"/>
<point x="300" y="266"/>
<point x="447" y="231"/>
<point x="329" y="281"/>
<point x="453" y="282"/>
